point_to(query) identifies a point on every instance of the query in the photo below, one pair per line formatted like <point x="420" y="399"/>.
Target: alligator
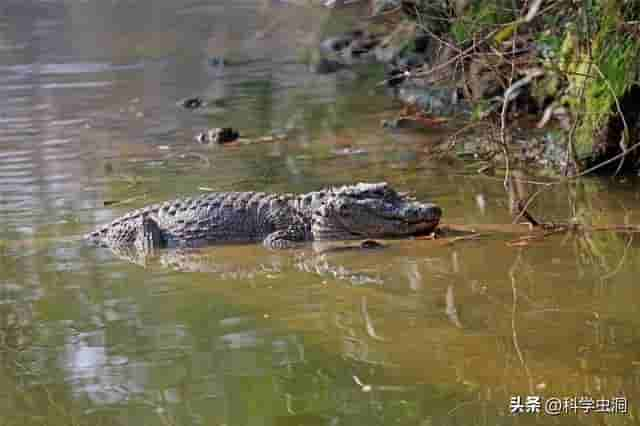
<point x="361" y="211"/>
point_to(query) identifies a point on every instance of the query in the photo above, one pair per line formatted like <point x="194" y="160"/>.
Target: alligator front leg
<point x="138" y="243"/>
<point x="285" y="238"/>
<point x="149" y="237"/>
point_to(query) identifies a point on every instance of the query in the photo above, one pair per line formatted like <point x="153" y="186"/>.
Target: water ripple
<point x="76" y="85"/>
<point x="69" y="68"/>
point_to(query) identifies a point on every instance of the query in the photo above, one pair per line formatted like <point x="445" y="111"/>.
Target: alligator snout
<point x="416" y="213"/>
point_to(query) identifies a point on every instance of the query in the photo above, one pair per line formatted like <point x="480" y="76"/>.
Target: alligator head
<point x="371" y="210"/>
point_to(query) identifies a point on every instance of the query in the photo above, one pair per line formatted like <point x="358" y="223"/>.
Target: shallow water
<point x="423" y="332"/>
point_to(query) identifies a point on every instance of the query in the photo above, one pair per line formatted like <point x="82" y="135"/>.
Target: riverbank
<point x="545" y="83"/>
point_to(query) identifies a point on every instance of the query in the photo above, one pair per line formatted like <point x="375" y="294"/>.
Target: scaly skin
<point x="278" y="220"/>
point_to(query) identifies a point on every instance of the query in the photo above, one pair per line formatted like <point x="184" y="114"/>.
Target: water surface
<point x="422" y="333"/>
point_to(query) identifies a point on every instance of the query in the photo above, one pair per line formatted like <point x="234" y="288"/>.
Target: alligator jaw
<point x="423" y="228"/>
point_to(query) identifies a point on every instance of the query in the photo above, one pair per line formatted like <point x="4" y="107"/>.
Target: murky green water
<point x="423" y="332"/>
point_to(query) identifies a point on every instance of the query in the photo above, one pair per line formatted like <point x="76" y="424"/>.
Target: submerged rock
<point x="383" y="6"/>
<point x="192" y="103"/>
<point x="218" y="135"/>
<point x="433" y="100"/>
<point x="327" y="66"/>
<point x="350" y="48"/>
<point x="216" y="61"/>
<point x="335" y="45"/>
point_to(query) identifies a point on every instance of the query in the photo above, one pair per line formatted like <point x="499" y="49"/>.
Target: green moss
<point x="612" y="72"/>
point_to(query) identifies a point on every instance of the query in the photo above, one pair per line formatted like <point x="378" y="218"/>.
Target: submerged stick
<point x="524" y="229"/>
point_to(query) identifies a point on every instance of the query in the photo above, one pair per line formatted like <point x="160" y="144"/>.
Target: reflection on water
<point x="422" y="332"/>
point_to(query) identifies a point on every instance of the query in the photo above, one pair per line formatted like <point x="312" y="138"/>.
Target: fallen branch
<point x="522" y="211"/>
<point x="432" y="70"/>
<point x="547" y="228"/>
